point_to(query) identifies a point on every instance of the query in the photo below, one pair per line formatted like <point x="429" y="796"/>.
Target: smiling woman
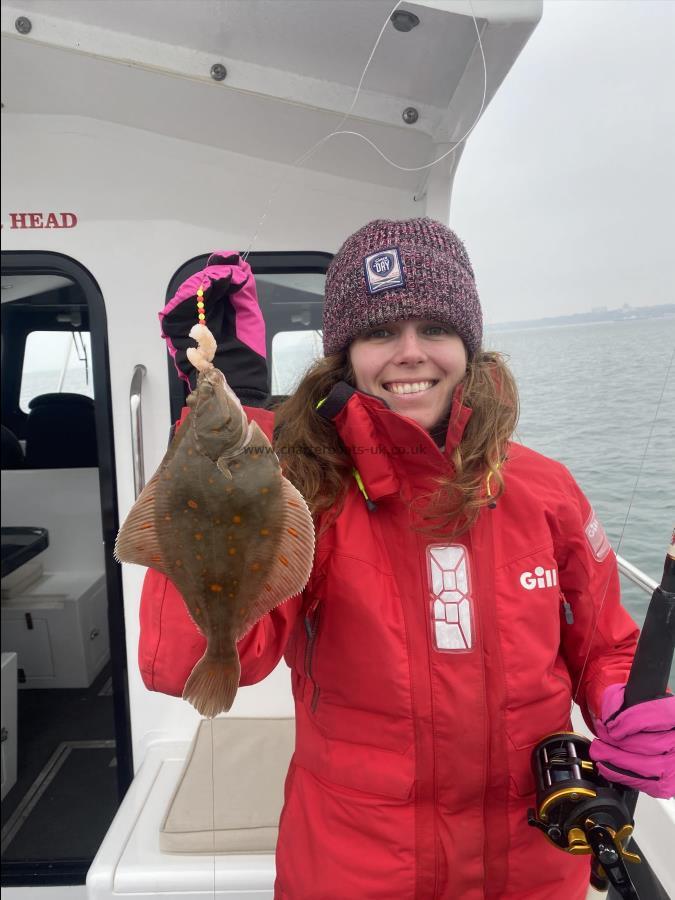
<point x="416" y="612"/>
<point x="414" y="366"/>
<point x="410" y="336"/>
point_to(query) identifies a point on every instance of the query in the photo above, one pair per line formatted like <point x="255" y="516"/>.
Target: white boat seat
<point x="243" y="793"/>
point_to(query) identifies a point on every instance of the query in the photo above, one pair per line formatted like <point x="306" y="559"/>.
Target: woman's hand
<point x="636" y="747"/>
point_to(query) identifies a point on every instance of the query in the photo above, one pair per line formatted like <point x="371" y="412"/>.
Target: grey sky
<point x="565" y="194"/>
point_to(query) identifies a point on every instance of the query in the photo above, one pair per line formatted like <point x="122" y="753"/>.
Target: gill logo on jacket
<point x="540" y="578"/>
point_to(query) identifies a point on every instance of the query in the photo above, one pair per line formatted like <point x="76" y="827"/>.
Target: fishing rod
<point x="579" y="810"/>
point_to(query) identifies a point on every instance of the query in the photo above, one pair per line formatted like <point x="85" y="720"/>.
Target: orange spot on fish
<point x="216" y="588"/>
<point x="292" y="532"/>
<point x="255" y="567"/>
<point x="232" y="550"/>
<point x="230" y="594"/>
<point x="283" y="560"/>
<point x="264" y="490"/>
<point x="216" y="521"/>
<point x="199" y="536"/>
<point x="198" y="556"/>
<point x="192" y="504"/>
<point x="179" y="562"/>
<point x="293" y="503"/>
<point x="156" y="558"/>
<point x="264" y="532"/>
<point x="190" y="451"/>
<point x="146" y="525"/>
<point x="236" y="519"/>
<point x="167" y="518"/>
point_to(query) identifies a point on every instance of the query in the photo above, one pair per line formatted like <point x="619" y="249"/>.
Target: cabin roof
<point x="293" y="67"/>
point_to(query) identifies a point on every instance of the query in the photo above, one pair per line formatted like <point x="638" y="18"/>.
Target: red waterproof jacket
<point x="424" y="670"/>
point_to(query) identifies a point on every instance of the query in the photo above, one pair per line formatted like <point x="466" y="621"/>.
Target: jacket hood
<point x="391" y="452"/>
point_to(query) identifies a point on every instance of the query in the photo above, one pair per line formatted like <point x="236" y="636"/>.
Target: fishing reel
<point x="580" y="812"/>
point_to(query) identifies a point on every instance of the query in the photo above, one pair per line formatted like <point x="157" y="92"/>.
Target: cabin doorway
<point x="66" y="750"/>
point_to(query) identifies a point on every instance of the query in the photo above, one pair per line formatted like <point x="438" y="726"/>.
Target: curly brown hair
<point x="315" y="461"/>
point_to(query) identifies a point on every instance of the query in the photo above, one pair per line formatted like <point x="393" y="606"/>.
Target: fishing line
<point x="625" y="522"/>
<point x="213" y="805"/>
<point x="310" y="152"/>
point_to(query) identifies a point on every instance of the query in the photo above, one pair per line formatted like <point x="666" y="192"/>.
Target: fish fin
<point x="212" y="685"/>
<point x="223" y="466"/>
<point x="293" y="558"/>
<point x="137" y="539"/>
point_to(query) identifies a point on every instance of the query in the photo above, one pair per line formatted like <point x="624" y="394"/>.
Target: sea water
<point x="600" y="398"/>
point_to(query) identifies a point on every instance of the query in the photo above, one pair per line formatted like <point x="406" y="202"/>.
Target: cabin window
<point x="293" y="352"/>
<point x="56" y="362"/>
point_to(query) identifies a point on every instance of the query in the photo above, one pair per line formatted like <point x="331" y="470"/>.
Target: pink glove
<point x="636" y="748"/>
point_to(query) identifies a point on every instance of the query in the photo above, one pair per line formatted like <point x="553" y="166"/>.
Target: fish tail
<point x="212" y="685"/>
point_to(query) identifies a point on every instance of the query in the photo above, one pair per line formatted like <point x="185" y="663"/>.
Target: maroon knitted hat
<point x="389" y="270"/>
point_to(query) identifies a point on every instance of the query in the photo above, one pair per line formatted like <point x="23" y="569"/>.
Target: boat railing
<point x="635" y="575"/>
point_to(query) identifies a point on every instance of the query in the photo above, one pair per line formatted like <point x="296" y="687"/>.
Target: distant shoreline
<point x="624" y="314"/>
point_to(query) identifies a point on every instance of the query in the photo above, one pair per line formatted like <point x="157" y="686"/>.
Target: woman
<point x="462" y="593"/>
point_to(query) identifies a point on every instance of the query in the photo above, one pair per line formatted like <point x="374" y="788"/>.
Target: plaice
<point x="219" y="519"/>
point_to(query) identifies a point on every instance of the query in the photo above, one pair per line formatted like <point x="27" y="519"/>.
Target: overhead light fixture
<point x="402" y="20"/>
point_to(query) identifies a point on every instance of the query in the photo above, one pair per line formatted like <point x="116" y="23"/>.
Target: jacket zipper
<point x="311" y="629"/>
<point x="569" y="615"/>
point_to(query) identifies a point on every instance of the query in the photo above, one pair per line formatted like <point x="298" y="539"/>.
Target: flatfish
<point x="219" y="519"/>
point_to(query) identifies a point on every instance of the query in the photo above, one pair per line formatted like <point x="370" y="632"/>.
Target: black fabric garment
<point x="244" y="369"/>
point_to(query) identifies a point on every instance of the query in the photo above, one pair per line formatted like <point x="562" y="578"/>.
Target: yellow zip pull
<point x="491" y="503"/>
<point x="369" y="503"/>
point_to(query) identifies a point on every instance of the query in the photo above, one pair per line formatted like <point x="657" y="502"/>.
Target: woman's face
<point x="413" y="365"/>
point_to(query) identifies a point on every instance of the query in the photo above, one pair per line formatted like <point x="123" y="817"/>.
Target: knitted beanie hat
<point x="389" y="270"/>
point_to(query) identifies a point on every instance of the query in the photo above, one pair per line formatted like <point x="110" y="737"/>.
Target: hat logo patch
<point x="384" y="270"/>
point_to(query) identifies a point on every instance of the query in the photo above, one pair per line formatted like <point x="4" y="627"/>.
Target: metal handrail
<point x="638" y="577"/>
<point x="137" y="428"/>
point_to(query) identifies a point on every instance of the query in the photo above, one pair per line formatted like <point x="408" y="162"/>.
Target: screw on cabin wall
<point x="23" y="25"/>
<point x="218" y="72"/>
<point x="410" y="115"/>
